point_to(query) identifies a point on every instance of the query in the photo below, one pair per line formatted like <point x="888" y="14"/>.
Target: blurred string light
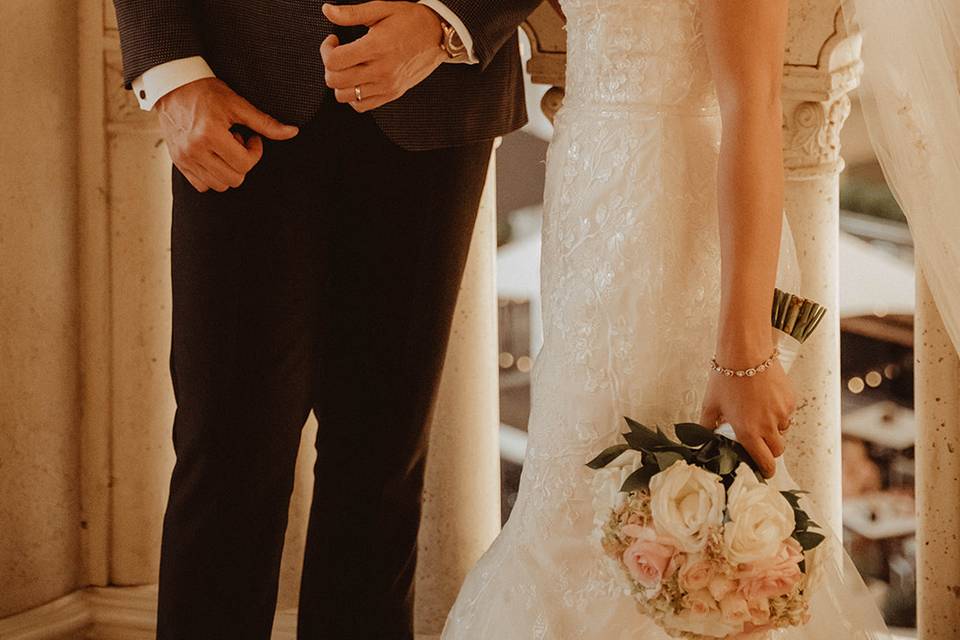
<point x="873" y="378"/>
<point x="855" y="384"/>
<point x="507" y="361"/>
<point x="524" y="364"/>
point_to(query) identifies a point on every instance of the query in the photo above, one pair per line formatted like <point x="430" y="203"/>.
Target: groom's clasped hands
<point x="400" y="50"/>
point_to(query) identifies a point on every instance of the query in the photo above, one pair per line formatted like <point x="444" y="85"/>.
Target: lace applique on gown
<point x="631" y="287"/>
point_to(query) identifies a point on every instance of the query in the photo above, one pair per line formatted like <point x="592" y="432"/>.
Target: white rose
<point x="760" y="519"/>
<point x="710" y="625"/>
<point x="686" y="502"/>
<point x="607" y="481"/>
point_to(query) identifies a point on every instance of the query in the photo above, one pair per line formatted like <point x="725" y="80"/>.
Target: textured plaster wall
<point x="39" y="447"/>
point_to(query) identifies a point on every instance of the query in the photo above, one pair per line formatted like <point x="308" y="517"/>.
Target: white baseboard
<point x="65" y="618"/>
<point x="111" y="613"/>
<point x="106" y="613"/>
<point x="122" y="613"/>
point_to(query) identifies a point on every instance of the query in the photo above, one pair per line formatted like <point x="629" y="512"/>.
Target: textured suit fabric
<point x="326" y="282"/>
<point x="268" y="52"/>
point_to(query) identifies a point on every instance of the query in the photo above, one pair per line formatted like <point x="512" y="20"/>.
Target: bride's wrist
<point x="738" y="349"/>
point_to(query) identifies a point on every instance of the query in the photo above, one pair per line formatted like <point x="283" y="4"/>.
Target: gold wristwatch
<point x="452" y="43"/>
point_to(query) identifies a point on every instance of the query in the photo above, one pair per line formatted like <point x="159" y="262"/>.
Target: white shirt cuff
<point x="454" y="21"/>
<point x="160" y="80"/>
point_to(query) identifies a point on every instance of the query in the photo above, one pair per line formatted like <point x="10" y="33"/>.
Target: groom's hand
<point x="196" y="120"/>
<point x="400" y="49"/>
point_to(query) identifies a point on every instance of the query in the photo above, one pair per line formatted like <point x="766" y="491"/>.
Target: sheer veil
<point x="911" y="103"/>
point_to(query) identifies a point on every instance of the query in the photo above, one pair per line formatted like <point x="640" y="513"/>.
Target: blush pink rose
<point x="695" y="574"/>
<point x="720" y="586"/>
<point x="676" y="562"/>
<point x="772" y="577"/>
<point x="759" y="611"/>
<point x="648" y="558"/>
<point x="700" y="603"/>
<point x="734" y="609"/>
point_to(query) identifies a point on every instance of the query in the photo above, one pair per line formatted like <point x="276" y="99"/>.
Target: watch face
<point x="453" y="43"/>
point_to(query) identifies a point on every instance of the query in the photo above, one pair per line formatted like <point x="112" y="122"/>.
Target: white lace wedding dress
<point x="631" y="286"/>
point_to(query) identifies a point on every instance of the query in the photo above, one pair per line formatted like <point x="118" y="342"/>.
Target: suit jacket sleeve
<point x="491" y="22"/>
<point x="153" y="32"/>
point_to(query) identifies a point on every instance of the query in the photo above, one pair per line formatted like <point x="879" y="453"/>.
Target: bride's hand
<point x="758" y="407"/>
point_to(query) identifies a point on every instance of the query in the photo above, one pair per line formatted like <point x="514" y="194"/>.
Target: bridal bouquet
<point x="704" y="545"/>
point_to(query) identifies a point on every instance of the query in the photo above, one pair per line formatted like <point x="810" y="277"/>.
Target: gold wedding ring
<point x="356" y="91"/>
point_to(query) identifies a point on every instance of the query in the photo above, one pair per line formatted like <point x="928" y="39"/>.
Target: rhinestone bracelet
<point x="749" y="373"/>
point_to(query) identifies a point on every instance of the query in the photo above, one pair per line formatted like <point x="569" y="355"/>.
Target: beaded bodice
<point x="637" y="53"/>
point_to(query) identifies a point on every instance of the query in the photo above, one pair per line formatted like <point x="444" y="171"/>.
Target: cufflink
<point x="143" y="94"/>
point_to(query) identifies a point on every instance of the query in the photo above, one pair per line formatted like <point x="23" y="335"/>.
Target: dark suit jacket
<point x="268" y="51"/>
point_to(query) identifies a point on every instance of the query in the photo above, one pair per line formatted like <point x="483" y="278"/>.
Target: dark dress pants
<point x="326" y="282"/>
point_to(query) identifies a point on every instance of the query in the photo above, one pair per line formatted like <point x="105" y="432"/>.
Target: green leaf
<point x="666" y="458"/>
<point x="607" y="456"/>
<point x="693" y="435"/>
<point x="639" y="480"/>
<point x="728" y="461"/>
<point x="641" y="438"/>
<point x="708" y="452"/>
<point x="664" y="438"/>
<point x="636" y="426"/>
<point x="744" y="456"/>
<point x="801" y="518"/>
<point x="712" y="465"/>
<point x="808" y="539"/>
<point x="792" y="498"/>
<point x="664" y="441"/>
<point x="640" y="441"/>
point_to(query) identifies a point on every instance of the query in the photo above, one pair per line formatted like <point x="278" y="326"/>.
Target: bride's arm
<point x="745" y="43"/>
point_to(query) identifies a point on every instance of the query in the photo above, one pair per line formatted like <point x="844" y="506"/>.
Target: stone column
<point x="93" y="236"/>
<point x="937" y="402"/>
<point x="822" y="66"/>
<point x="39" y="411"/>
<point x="137" y="222"/>
<point x="124" y="266"/>
<point x="462" y="495"/>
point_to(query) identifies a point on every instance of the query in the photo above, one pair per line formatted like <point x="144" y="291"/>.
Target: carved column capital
<point x="816" y="88"/>
<point x="811" y="137"/>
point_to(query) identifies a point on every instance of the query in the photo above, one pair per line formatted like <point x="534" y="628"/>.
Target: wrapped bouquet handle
<point x="793" y="320"/>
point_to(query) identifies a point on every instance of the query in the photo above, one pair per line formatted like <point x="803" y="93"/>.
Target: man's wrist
<point x="450" y="18"/>
<point x="452" y="44"/>
<point x="160" y="80"/>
